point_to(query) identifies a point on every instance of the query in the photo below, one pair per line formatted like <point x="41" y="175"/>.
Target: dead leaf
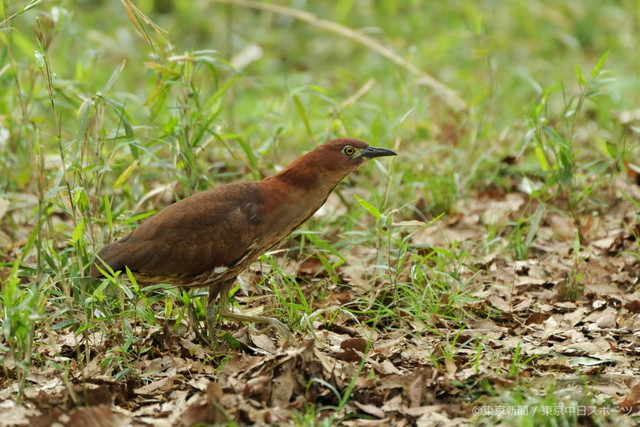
<point x="416" y="390"/>
<point x="359" y="344"/>
<point x="351" y="356"/>
<point x="607" y="319"/>
<point x="157" y="387"/>
<point x="631" y="402"/>
<point x="284" y="384"/>
<point x="98" y="416"/>
<point x="536" y="318"/>
<point x="369" y="409"/>
<point x="208" y="409"/>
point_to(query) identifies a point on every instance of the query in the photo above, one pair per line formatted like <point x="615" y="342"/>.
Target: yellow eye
<point x="349" y="150"/>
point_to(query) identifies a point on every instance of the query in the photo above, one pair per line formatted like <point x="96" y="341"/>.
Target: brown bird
<point x="209" y="238"/>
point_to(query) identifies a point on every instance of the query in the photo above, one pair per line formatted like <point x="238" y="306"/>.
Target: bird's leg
<point x="213" y="310"/>
<point x="223" y="311"/>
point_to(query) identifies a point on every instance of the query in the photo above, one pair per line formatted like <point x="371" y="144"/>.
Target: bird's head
<point x="344" y="155"/>
<point x="330" y="162"/>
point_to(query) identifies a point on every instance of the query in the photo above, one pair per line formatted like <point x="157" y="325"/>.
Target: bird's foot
<point x="269" y="321"/>
<point x="275" y="323"/>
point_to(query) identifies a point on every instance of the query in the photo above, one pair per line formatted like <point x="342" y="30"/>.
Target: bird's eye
<point x="349" y="150"/>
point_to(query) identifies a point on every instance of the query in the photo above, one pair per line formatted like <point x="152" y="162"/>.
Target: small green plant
<point x="434" y="285"/>
<point x="524" y="232"/>
<point x="517" y="362"/>
<point x="290" y="295"/>
<point x="568" y="176"/>
<point x="572" y="285"/>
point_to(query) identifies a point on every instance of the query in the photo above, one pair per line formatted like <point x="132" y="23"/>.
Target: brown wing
<point x="209" y="229"/>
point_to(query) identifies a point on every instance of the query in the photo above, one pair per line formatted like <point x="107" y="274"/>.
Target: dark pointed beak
<point x="371" y="152"/>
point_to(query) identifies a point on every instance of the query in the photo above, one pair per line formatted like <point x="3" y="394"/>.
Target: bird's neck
<point x="298" y="185"/>
<point x="308" y="175"/>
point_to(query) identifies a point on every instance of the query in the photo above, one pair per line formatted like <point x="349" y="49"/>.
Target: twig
<point x="442" y="91"/>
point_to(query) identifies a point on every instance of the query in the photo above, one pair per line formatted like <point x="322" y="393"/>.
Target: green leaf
<point x="542" y="159"/>
<point x="134" y="284"/>
<point x="581" y="80"/>
<point x="535" y="225"/>
<point x="566" y="160"/>
<point x="106" y="208"/>
<point x="318" y="89"/>
<point x="548" y="130"/>
<point x="576" y="244"/>
<point x="83" y="116"/>
<point x="323" y="244"/>
<point x="139" y="217"/>
<point x="303" y="114"/>
<point x="253" y="160"/>
<point x="612" y="149"/>
<point x="368" y="206"/>
<point x="121" y="112"/>
<point x="232" y="341"/>
<point x="125" y="174"/>
<point x="599" y="65"/>
<point x="222" y="90"/>
<point x="40" y="59"/>
<point x="205" y="127"/>
<point x="78" y="232"/>
<point x="114" y="77"/>
<point x="166" y="71"/>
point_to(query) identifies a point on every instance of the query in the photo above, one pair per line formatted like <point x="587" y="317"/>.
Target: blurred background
<point x="222" y="84"/>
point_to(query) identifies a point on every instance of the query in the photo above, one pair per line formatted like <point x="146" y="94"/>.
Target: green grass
<point x="110" y="112"/>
